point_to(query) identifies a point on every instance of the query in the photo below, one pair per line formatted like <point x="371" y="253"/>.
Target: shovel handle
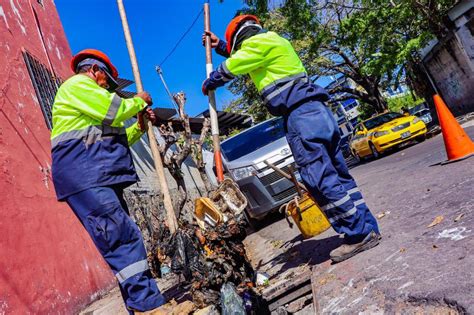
<point x="294" y="180"/>
<point x="283" y="173"/>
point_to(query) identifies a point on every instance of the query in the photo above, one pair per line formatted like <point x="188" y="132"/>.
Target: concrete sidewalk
<point x="416" y="268"/>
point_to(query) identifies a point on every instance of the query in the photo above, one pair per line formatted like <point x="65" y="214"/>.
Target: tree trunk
<point x="374" y="96"/>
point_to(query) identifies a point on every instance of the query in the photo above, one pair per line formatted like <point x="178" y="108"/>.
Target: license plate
<point x="405" y="135"/>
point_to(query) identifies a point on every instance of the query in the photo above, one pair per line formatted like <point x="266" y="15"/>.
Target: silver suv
<point x="244" y="157"/>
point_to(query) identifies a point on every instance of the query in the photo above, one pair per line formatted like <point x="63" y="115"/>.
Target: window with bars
<point x="46" y="85"/>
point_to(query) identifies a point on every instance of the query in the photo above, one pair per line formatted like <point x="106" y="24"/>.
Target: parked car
<point x="380" y="133"/>
<point x="244" y="157"/>
<point x="423" y="113"/>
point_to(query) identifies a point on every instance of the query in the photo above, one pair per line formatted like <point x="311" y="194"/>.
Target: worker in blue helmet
<point x="311" y="130"/>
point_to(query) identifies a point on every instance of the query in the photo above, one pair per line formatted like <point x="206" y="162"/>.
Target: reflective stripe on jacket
<point x="90" y="145"/>
<point x="275" y="69"/>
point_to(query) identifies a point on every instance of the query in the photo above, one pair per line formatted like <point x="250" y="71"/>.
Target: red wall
<point x="48" y="264"/>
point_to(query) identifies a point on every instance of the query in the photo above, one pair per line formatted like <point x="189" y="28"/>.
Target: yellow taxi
<point x="380" y="133"/>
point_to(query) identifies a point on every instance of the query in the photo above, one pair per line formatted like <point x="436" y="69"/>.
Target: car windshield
<point x="422" y="112"/>
<point x="380" y="120"/>
<point x="253" y="139"/>
<point x="417" y="108"/>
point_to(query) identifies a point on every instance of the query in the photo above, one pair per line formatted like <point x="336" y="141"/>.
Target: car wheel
<point x="356" y="157"/>
<point x="375" y="153"/>
<point x="421" y="138"/>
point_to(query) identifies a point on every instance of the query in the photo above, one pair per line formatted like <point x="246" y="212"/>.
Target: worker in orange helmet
<point x="92" y="164"/>
<point x="311" y="130"/>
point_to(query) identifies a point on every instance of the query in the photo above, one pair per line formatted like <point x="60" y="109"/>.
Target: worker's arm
<point x="134" y="133"/>
<point x="90" y="99"/>
<point x="245" y="60"/>
<point x="219" y="45"/>
<point x="221" y="48"/>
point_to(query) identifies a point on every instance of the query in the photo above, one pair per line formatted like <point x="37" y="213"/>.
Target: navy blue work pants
<point x="314" y="138"/>
<point x="104" y="214"/>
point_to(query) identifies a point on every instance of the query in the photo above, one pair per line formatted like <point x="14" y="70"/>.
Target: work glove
<point x="205" y="87"/>
<point x="147" y="113"/>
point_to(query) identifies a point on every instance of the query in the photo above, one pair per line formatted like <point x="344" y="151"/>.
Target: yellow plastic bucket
<point x="206" y="213"/>
<point x="307" y="215"/>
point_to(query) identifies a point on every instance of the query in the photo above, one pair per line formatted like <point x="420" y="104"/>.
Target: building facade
<point x="49" y="265"/>
<point x="449" y="61"/>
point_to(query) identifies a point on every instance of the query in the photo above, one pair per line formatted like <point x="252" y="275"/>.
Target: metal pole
<point x="212" y="98"/>
<point x="160" y="73"/>
<point x="171" y="217"/>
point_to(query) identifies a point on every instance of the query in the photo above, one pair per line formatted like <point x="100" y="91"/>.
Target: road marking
<point x="406" y="285"/>
<point x="455" y="234"/>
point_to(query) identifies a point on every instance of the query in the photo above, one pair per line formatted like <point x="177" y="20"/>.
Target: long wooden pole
<point x="212" y="98"/>
<point x="284" y="174"/>
<point x="171" y="217"/>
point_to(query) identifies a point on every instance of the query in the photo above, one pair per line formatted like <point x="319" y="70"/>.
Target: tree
<point x="177" y="146"/>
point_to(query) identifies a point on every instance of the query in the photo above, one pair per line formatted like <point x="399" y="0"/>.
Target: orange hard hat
<point x="233" y="27"/>
<point x="94" y="54"/>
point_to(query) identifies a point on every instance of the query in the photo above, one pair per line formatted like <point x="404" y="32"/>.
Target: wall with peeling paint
<point x="48" y="263"/>
<point x="451" y="61"/>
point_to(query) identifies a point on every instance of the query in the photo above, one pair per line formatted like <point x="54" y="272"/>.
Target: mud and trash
<point x="459" y="217"/>
<point x="209" y="256"/>
<point x="436" y="221"/>
<point x="382" y="214"/>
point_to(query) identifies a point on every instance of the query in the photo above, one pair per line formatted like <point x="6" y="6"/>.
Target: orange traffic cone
<point x="458" y="144"/>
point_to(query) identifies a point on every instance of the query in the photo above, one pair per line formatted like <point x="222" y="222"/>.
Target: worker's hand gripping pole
<point x="171" y="217"/>
<point x="212" y="98"/>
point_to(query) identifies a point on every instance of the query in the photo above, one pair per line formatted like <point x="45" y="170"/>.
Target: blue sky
<point x="156" y="25"/>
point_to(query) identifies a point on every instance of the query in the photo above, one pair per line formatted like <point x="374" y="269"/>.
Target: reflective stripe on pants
<point x="104" y="214"/>
<point x="315" y="144"/>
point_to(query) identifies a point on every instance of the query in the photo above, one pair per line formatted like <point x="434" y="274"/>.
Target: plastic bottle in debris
<point x="231" y="302"/>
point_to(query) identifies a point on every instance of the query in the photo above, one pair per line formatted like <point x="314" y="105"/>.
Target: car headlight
<point x="243" y="172"/>
<point x="416" y="120"/>
<point x="381" y="133"/>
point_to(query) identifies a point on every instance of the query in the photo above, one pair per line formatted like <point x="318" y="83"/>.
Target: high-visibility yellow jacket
<point x="274" y="67"/>
<point x="90" y="145"/>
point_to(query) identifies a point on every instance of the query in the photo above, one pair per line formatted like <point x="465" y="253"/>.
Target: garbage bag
<point x="185" y="256"/>
<point x="231" y="302"/>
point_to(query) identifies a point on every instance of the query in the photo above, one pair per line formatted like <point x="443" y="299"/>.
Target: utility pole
<point x="171" y="217"/>
<point x="212" y="98"/>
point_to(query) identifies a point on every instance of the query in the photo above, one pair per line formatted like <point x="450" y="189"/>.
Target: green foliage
<point x="366" y="111"/>
<point x="396" y="103"/>
<point x="248" y="101"/>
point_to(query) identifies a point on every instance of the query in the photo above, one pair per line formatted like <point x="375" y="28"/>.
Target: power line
<point x="181" y="38"/>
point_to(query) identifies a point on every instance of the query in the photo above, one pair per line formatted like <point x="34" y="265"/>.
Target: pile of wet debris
<point x="209" y="255"/>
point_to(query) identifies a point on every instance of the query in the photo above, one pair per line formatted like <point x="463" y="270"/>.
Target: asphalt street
<point x="425" y="261"/>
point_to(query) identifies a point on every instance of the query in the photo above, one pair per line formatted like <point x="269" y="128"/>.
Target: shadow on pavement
<point x="298" y="251"/>
<point x="270" y="219"/>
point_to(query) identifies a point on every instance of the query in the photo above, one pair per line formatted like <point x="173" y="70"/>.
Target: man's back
<point x="275" y="54"/>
